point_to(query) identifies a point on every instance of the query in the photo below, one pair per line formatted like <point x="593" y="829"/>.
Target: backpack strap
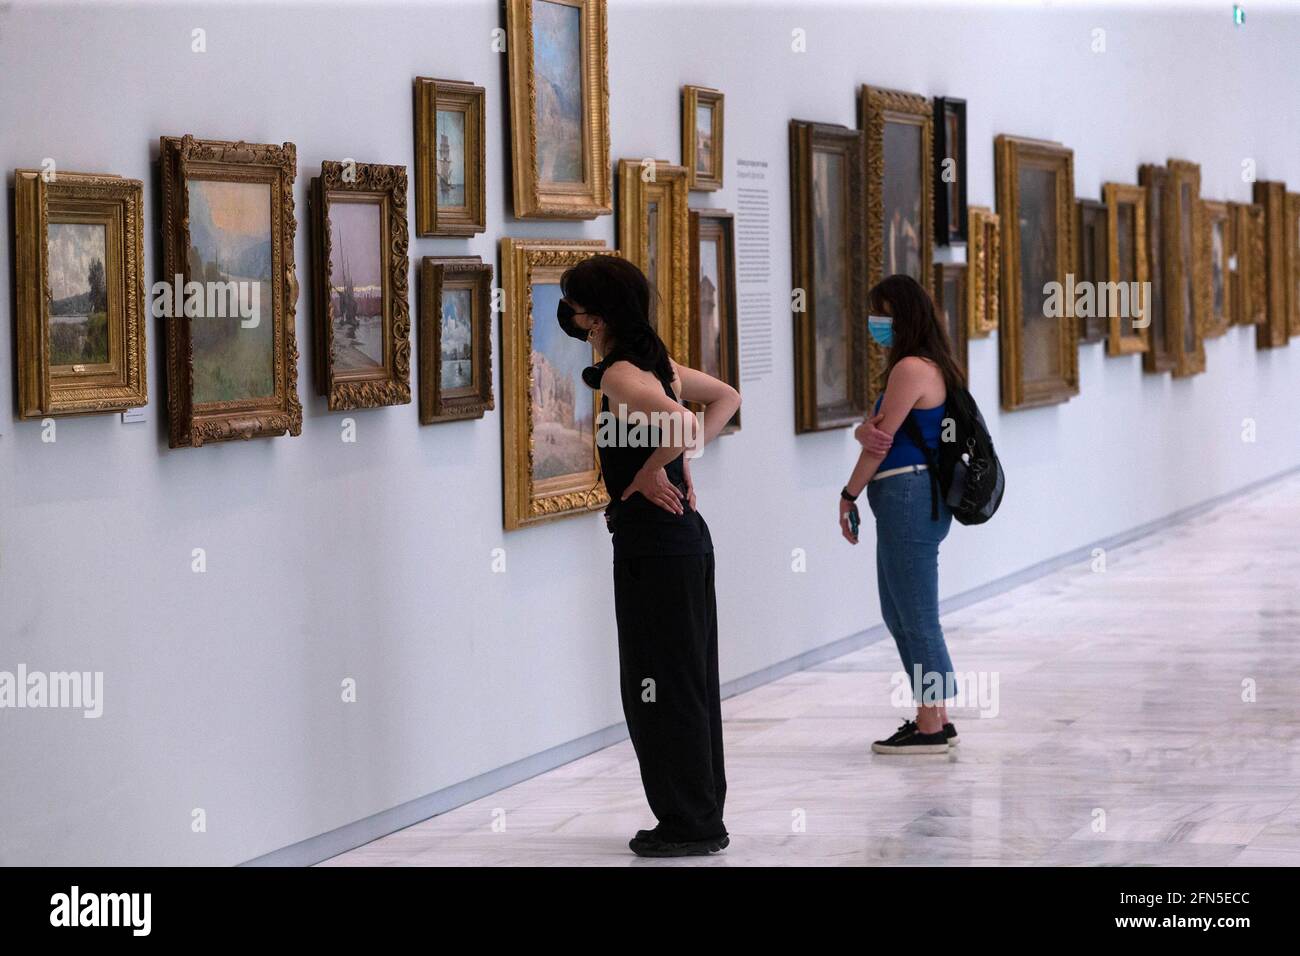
<point x="913" y="431"/>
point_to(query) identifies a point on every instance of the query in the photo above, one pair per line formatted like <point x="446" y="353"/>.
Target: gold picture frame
<point x="1249" y="291"/>
<point x="1053" y="374"/>
<point x="829" y="275"/>
<point x="362" y="307"/>
<point x="952" y="299"/>
<point x="1218" y="254"/>
<point x="80" y="350"/>
<point x="561" y="164"/>
<point x="1187" y="334"/>
<point x="1275" y="330"/>
<point x="984" y="271"/>
<point x="437" y="213"/>
<point x="1161" y="309"/>
<point x="901" y="241"/>
<point x="713" y="300"/>
<point x="455" y="392"/>
<point x="201" y="408"/>
<point x="654" y="233"/>
<point x="536" y="488"/>
<point x="703" y="157"/>
<point x="1126" y="256"/>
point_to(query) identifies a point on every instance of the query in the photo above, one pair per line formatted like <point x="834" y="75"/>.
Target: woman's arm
<point x="720" y="400"/>
<point x="632" y="390"/>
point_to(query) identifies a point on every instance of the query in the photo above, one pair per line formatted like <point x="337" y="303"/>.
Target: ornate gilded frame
<point x="1212" y="214"/>
<point x="533" y="198"/>
<point x="1090" y="243"/>
<point x="805" y="140"/>
<point x="876" y="107"/>
<point x="984" y="271"/>
<point x="1115" y="196"/>
<point x="437" y="275"/>
<point x="1011" y="153"/>
<point x="431" y="218"/>
<point x="385" y="187"/>
<point x="961" y="324"/>
<point x="692" y="98"/>
<point x="1159" y="357"/>
<point x="1248" y="285"/>
<point x="1274" y="331"/>
<point x="667" y="188"/>
<point x="117" y="205"/>
<point x="524" y="262"/>
<point x="951" y="225"/>
<point x="184" y="158"/>
<point x="718" y="225"/>
<point x="1190" y="279"/>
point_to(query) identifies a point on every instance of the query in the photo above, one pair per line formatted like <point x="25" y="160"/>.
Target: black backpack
<point x="965" y="468"/>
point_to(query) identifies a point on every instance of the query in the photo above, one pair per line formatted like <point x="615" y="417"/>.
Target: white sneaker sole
<point x="919" y="749"/>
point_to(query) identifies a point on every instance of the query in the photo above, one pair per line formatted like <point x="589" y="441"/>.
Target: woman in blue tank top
<point x="920" y="370"/>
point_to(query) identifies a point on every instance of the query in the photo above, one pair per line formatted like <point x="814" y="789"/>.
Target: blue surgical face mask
<point x="881" y="328"/>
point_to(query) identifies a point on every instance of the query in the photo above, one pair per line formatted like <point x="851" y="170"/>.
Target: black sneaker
<point x="654" y="845"/>
<point x="906" y="730"/>
<point x="950" y="732"/>
<point x="912" y="741"/>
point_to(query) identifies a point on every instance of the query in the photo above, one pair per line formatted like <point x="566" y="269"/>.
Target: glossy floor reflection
<point x="1144" y="715"/>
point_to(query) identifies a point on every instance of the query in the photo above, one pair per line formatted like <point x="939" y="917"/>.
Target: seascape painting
<point x="356" y="279"/>
<point x="831" y="282"/>
<point x="78" y="294"/>
<point x="456" y="339"/>
<point x="1038" y="266"/>
<point x="563" y="407"/>
<point x="449" y="160"/>
<point x="230" y="241"/>
<point x="901" y="199"/>
<point x="557" y="72"/>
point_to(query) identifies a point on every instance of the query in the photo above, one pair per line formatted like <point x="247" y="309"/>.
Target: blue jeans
<point x="907" y="572"/>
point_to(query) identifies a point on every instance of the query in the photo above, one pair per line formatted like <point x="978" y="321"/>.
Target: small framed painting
<point x="952" y="300"/>
<point x="559" y="108"/>
<point x="1128" y="306"/>
<point x="450" y="160"/>
<point x="455" y="339"/>
<point x="1248" y="278"/>
<point x="984" y="271"/>
<point x="1219" y="259"/>
<point x="79" y="262"/>
<point x="829" y="274"/>
<point x="654" y="233"/>
<point x="1159" y="357"/>
<point x="702" y="129"/>
<point x="1274" y="331"/>
<point x="714" y="329"/>
<point x="363" y="314"/>
<point x="548" y="414"/>
<point x="1186" y="339"/>
<point x="228" y="227"/>
<point x="950" y="225"/>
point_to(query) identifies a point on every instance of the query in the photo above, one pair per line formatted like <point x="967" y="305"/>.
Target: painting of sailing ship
<point x="78" y="294"/>
<point x="563" y="407"/>
<point x="450" y="160"/>
<point x="356" y="286"/>
<point x="230" y="241"/>
<point x="557" y="72"/>
<point x="456" y="339"/>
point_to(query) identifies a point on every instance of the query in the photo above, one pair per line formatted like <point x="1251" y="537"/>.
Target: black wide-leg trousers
<point x="668" y="664"/>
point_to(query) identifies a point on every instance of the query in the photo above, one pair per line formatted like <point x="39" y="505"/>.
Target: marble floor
<point x="1146" y="714"/>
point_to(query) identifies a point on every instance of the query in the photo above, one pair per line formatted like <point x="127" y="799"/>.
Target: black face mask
<point x="564" y="312"/>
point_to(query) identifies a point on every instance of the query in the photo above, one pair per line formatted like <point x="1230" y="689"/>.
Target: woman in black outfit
<point x="663" y="556"/>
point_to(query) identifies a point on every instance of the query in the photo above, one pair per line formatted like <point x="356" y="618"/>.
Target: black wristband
<point x="844" y="493"/>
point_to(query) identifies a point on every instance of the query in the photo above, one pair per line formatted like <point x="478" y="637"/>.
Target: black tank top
<point x="640" y="527"/>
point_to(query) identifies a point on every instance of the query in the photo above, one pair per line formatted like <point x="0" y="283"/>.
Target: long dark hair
<point x="917" y="329"/>
<point x="617" y="291"/>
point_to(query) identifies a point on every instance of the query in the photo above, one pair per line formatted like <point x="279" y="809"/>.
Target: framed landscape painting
<point x="1219" y="258"/>
<point x="1090" y="266"/>
<point x="702" y="137"/>
<point x="952" y="299"/>
<point x="1126" y="269"/>
<point x="363" y="313"/>
<point x="548" y="413"/>
<point x="829" y="274"/>
<point x="1274" y="331"/>
<point x="559" y="108"/>
<point x="79" y="264"/>
<point x="1186" y="338"/>
<point x="654" y="233"/>
<point x="228" y="227"/>
<point x="1161" y="308"/>
<point x="455" y="339"/>
<point x="950" y="225"/>
<point x="1037" y="339"/>
<point x="450" y="158"/>
<point x="714" y="328"/>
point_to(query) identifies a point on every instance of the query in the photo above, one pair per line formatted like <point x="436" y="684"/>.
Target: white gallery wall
<point x="374" y="560"/>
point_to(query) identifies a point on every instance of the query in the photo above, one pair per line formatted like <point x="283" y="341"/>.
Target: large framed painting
<point x="1127" y="305"/>
<point x="1293" y="257"/>
<point x="1037" y="342"/>
<point x="1249" y="278"/>
<point x="952" y="300"/>
<point x="984" y="271"/>
<point x="228" y="228"/>
<point x="1274" y="331"/>
<point x="829" y="297"/>
<point x="1162" y="307"/>
<point x="455" y="339"/>
<point x="899" y="148"/>
<point x="950" y="217"/>
<point x="79" y="268"/>
<point x="714" y="328"/>
<point x="450" y="158"/>
<point x="548" y="413"/>
<point x="363" y="313"/>
<point x="1218" y="260"/>
<point x="702" y="129"/>
<point x="1186" y="335"/>
<point x="1091" y="261"/>
<point x="559" y="108"/>
<point x="654" y="233"/>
